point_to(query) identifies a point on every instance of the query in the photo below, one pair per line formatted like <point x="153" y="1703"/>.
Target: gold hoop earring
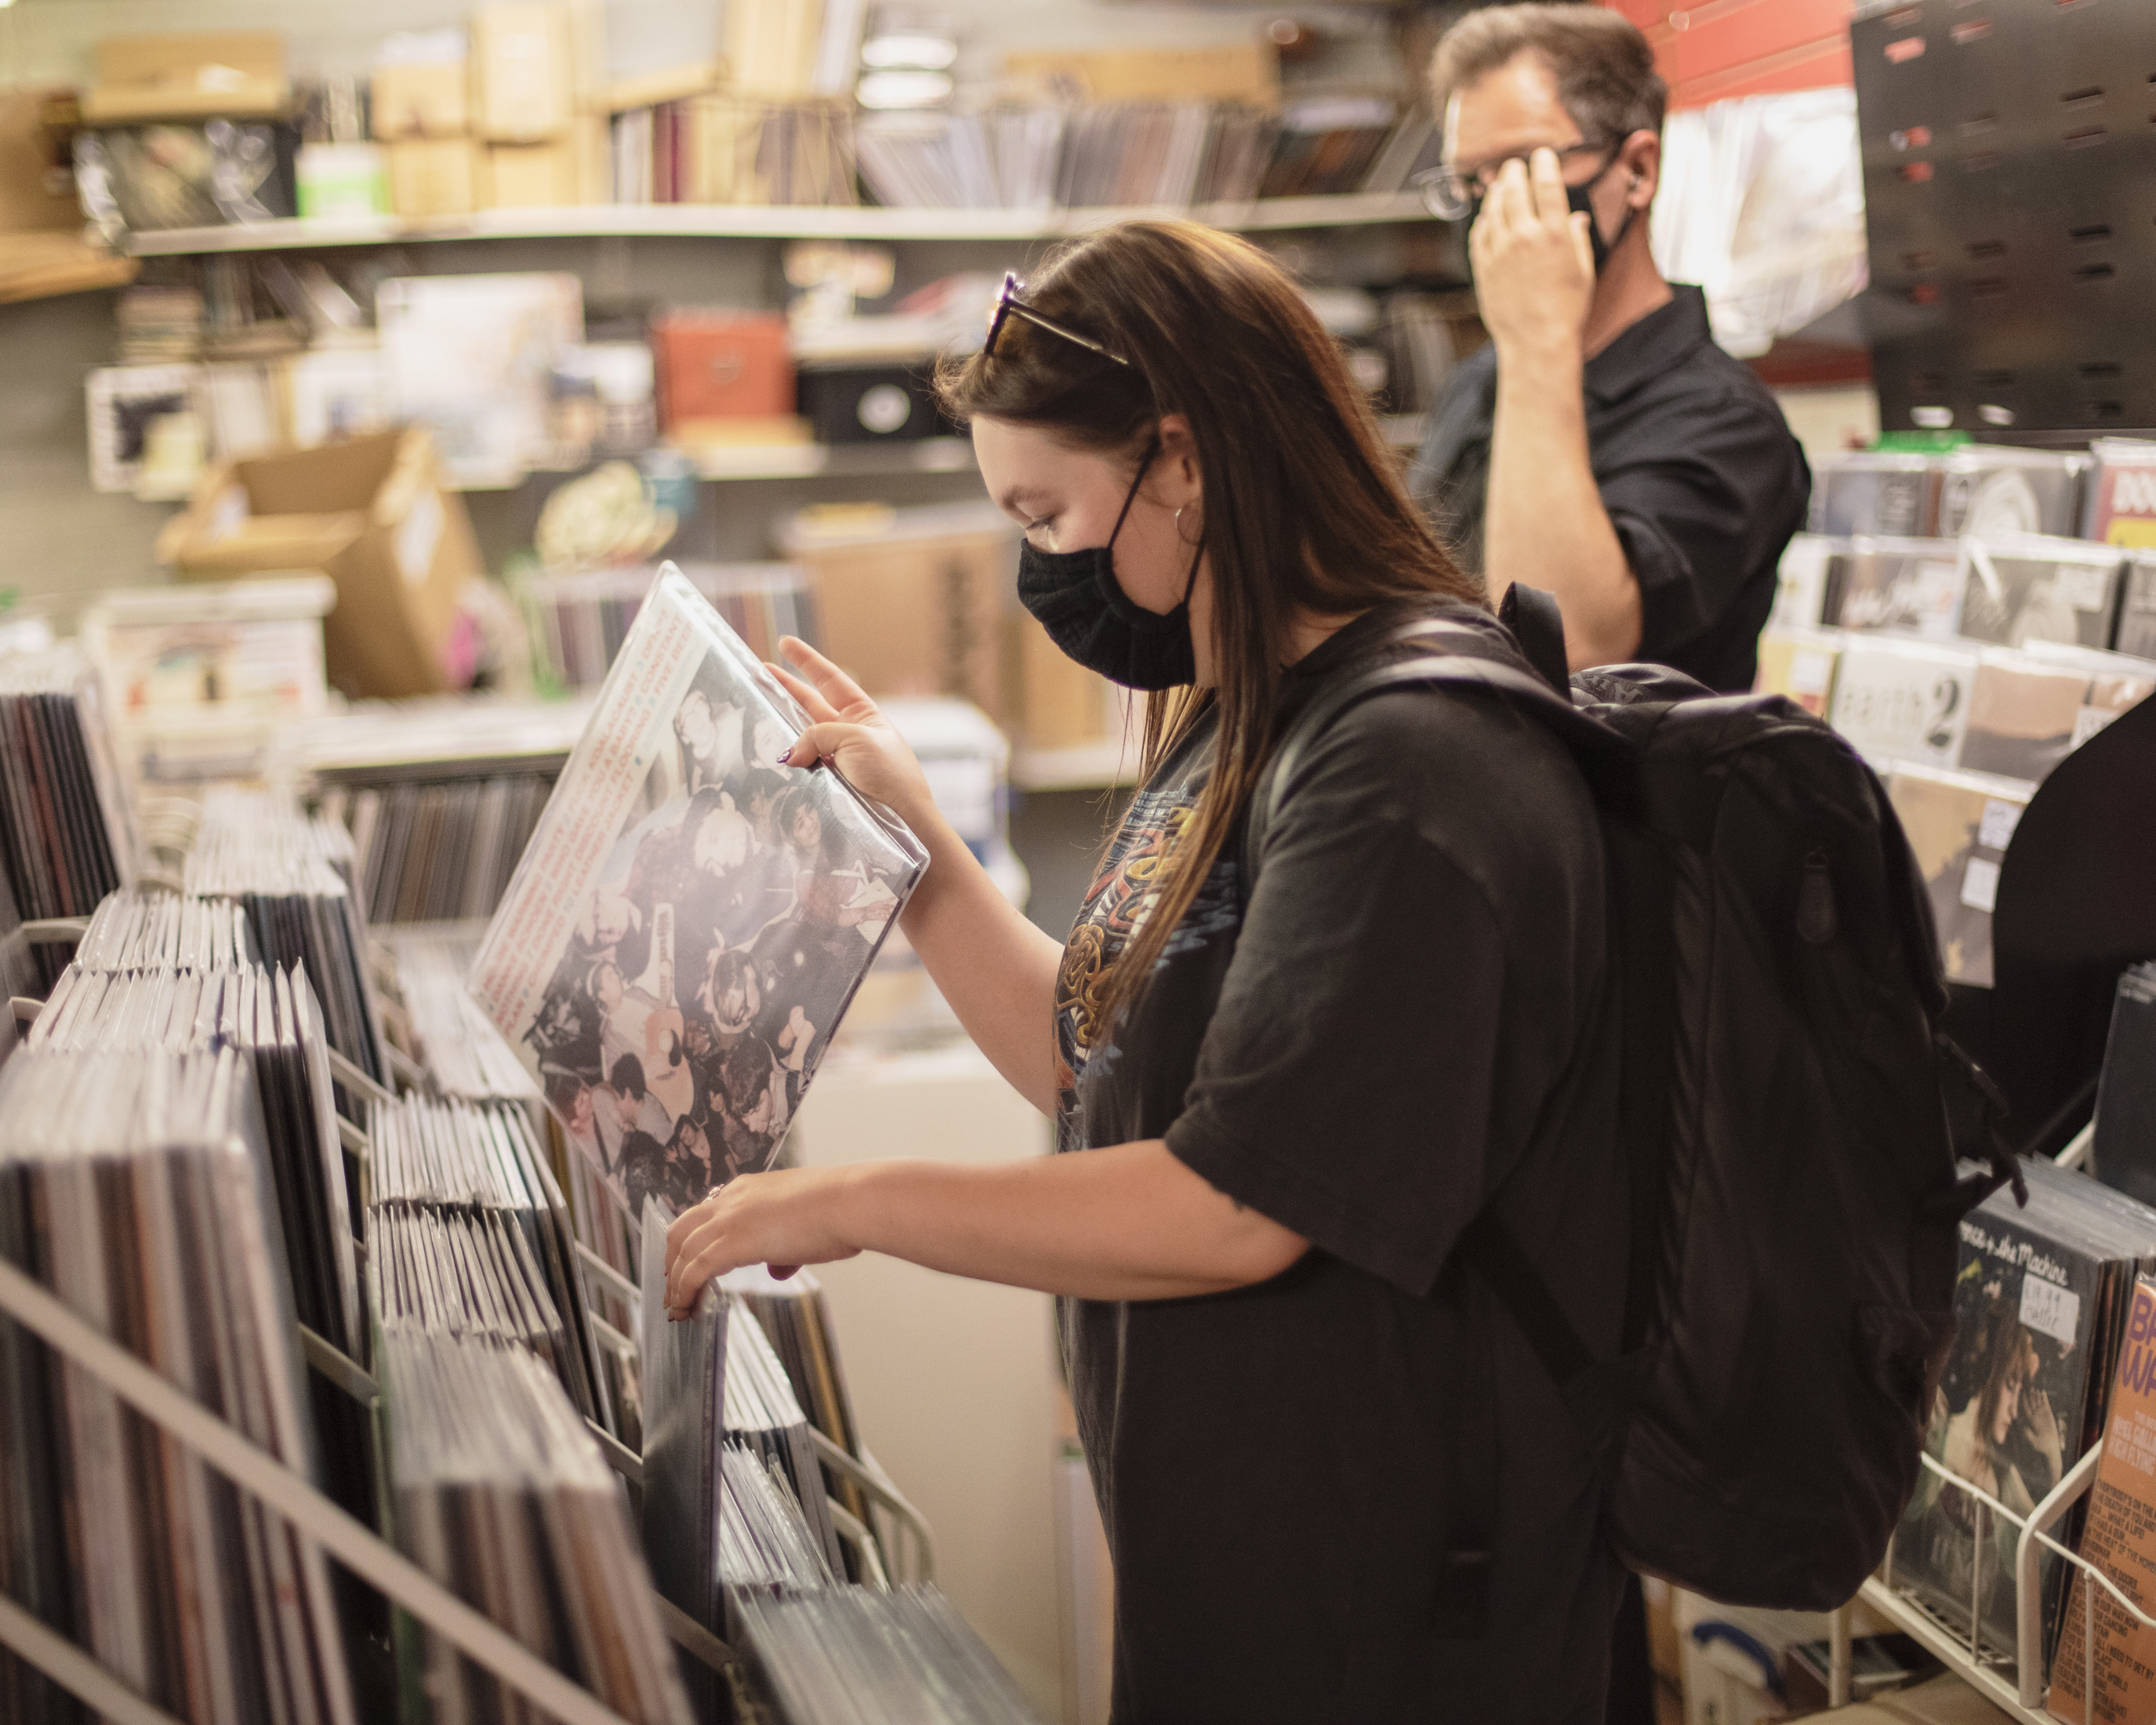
<point x="1200" y="540"/>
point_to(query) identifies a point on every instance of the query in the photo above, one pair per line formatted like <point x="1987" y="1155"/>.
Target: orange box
<point x="720" y="365"/>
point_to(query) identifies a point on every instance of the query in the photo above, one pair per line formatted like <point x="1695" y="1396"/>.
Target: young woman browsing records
<point x="1337" y="1484"/>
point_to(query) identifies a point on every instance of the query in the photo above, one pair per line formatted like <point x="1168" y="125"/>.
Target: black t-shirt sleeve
<point x="1695" y="512"/>
<point x="1346" y="1084"/>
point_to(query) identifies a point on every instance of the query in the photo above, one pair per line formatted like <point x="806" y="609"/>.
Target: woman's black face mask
<point x="1075" y="596"/>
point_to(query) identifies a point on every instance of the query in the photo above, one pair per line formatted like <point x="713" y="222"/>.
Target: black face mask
<point x="1577" y="197"/>
<point x="1075" y="596"/>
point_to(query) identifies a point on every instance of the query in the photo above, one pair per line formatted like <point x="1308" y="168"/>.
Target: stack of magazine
<point x="499" y="1491"/>
<point x="135" y="1186"/>
<point x="67" y="836"/>
<point x="2041" y="1303"/>
<point x="469" y="1236"/>
<point x="692" y="916"/>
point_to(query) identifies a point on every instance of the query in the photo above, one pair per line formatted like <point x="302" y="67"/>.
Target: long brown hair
<point x="1305" y="515"/>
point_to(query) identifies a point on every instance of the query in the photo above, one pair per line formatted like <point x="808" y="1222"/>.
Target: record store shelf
<point x="717" y="221"/>
<point x="926" y="455"/>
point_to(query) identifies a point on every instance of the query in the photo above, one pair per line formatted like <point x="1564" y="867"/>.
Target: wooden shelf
<point x="697" y="221"/>
<point x="927" y="454"/>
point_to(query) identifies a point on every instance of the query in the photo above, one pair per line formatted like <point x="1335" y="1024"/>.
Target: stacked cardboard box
<point x="515" y="120"/>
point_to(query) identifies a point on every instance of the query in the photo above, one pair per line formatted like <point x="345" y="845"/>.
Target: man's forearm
<point x="1543" y="523"/>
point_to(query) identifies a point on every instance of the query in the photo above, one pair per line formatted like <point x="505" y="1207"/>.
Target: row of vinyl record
<point x="741" y="1534"/>
<point x="2108" y="493"/>
<point x="2009" y="589"/>
<point x="1962" y="735"/>
<point x="722" y="149"/>
<point x="1140" y="153"/>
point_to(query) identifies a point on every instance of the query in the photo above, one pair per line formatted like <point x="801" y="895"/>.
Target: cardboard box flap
<point x="280" y="541"/>
<point x="336" y="476"/>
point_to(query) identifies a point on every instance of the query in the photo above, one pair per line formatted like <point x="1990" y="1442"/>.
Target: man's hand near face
<point x="1545" y="525"/>
<point x="1534" y="266"/>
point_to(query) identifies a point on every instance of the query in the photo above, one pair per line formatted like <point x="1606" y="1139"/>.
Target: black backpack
<point x="1790" y="1115"/>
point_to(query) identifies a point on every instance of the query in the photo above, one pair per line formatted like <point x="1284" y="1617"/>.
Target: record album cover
<point x="2016" y="590"/>
<point x="2007" y="1414"/>
<point x="691" y="917"/>
<point x="1959" y="825"/>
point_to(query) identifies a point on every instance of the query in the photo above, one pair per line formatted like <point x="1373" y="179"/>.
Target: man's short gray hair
<point x="1605" y="70"/>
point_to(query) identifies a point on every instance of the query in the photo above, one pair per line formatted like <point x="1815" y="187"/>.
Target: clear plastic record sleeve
<point x="690" y="918"/>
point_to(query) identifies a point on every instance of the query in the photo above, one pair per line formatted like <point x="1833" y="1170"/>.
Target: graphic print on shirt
<point x="1116" y="905"/>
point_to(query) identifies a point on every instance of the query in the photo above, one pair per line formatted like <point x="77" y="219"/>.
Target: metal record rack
<point x="359" y="1548"/>
<point x="2016" y="1683"/>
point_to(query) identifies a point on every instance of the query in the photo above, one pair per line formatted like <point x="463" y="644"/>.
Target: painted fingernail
<point x="786" y="759"/>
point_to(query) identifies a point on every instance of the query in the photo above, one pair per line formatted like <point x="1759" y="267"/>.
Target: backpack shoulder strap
<point x="1538" y="626"/>
<point x="1587" y="738"/>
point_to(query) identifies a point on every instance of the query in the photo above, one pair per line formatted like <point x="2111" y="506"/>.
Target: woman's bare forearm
<point x="1128" y="1223"/>
<point x="996" y="969"/>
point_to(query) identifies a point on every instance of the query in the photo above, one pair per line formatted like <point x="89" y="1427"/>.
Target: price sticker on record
<point x="2047" y="1307"/>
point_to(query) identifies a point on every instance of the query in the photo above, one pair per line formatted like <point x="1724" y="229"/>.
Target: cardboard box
<point x="1056" y="703"/>
<point x="228" y="74"/>
<point x="913" y="602"/>
<point x="571" y="170"/>
<point x="531" y="175"/>
<point x="435" y="177"/>
<point x="427" y="101"/>
<point x="371" y="515"/>
<point x="523" y="74"/>
<point x="720" y="365"/>
<point x="34" y="197"/>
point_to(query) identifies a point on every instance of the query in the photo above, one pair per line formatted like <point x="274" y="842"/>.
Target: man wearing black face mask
<point x="1601" y="447"/>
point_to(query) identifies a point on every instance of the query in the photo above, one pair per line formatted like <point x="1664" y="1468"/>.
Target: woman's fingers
<point x="820" y="742"/>
<point x="841" y="690"/>
<point x="812" y="700"/>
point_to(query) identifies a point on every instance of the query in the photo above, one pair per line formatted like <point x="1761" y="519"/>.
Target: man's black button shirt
<point x="1698" y="470"/>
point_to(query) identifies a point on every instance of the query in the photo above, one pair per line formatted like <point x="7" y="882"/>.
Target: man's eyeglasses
<point x="1008" y="301"/>
<point x="1453" y="196"/>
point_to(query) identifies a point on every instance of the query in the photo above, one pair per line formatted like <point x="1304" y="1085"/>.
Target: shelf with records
<point x="500" y="1381"/>
<point x="693" y="221"/>
<point x="1944" y="618"/>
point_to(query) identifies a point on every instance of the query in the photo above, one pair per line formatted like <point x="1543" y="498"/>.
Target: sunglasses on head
<point x="1008" y="301"/>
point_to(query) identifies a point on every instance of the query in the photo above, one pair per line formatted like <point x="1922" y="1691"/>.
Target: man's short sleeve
<point x="1348" y="1084"/>
<point x="1694" y="516"/>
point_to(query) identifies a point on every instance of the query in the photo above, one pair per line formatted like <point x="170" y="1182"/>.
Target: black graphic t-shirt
<point x="1410" y="1014"/>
